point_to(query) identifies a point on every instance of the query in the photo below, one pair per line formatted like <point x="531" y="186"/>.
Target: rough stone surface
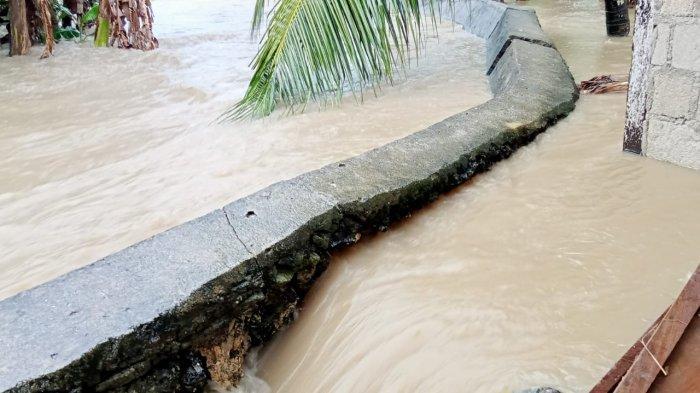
<point x="669" y="141"/>
<point x="686" y="47"/>
<point x="171" y="312"/>
<point x="478" y="17"/>
<point x="679" y="7"/>
<point x="669" y="90"/>
<point x="663" y="38"/>
<point x="516" y="24"/>
<point x="225" y="356"/>
<point x="662" y="102"/>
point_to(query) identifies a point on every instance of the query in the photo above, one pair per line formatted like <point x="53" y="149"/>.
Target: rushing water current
<point x="541" y="272"/>
<point x="101" y="148"/>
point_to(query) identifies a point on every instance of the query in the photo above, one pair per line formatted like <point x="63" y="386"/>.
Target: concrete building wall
<point x="663" y="104"/>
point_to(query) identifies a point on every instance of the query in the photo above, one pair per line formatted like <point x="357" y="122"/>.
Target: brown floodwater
<point x="541" y="272"/>
<point x="101" y="148"/>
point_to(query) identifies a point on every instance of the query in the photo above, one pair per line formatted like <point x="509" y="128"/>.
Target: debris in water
<point x="604" y="84"/>
<point x="541" y="390"/>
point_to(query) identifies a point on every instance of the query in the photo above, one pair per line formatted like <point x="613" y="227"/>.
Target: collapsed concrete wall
<point x="663" y="103"/>
<point x="171" y="312"/>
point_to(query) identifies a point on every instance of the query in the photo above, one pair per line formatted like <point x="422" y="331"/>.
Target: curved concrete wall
<point x="169" y="312"/>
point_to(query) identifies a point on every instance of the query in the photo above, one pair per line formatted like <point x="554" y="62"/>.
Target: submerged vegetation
<point x="30" y="22"/>
<point x="122" y="23"/>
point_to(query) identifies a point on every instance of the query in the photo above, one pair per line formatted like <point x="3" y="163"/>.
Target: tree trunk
<point x="44" y="8"/>
<point x="118" y="11"/>
<point x="141" y="26"/>
<point x="20" y="43"/>
<point x="127" y="23"/>
<point x="617" y="19"/>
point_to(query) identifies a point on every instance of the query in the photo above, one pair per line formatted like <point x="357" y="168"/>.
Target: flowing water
<point x="101" y="148"/>
<point x="541" y="272"/>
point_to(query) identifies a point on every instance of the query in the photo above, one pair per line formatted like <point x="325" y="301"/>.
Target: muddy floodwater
<point x="541" y="272"/>
<point x="101" y="148"/>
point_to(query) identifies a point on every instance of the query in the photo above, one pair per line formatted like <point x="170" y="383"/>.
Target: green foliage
<point x="73" y="33"/>
<point x="319" y="49"/>
<point x="91" y="17"/>
<point x="258" y="13"/>
<point x="92" y="14"/>
<point x="102" y="32"/>
<point x="60" y="11"/>
<point x="66" y="33"/>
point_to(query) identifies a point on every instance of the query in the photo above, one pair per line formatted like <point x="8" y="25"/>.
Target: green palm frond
<point x="319" y="49"/>
<point x="258" y="13"/>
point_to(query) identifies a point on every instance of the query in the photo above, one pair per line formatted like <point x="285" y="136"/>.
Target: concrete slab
<point x="516" y="24"/>
<point x="478" y="17"/>
<point x="48" y="328"/>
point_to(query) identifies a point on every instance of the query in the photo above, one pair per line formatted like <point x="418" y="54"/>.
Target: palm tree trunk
<point x="19" y="30"/>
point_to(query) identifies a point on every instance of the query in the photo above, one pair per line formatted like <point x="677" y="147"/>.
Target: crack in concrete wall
<point x="228" y="219"/>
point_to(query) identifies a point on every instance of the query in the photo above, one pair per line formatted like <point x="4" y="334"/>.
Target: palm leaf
<point x="319" y="49"/>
